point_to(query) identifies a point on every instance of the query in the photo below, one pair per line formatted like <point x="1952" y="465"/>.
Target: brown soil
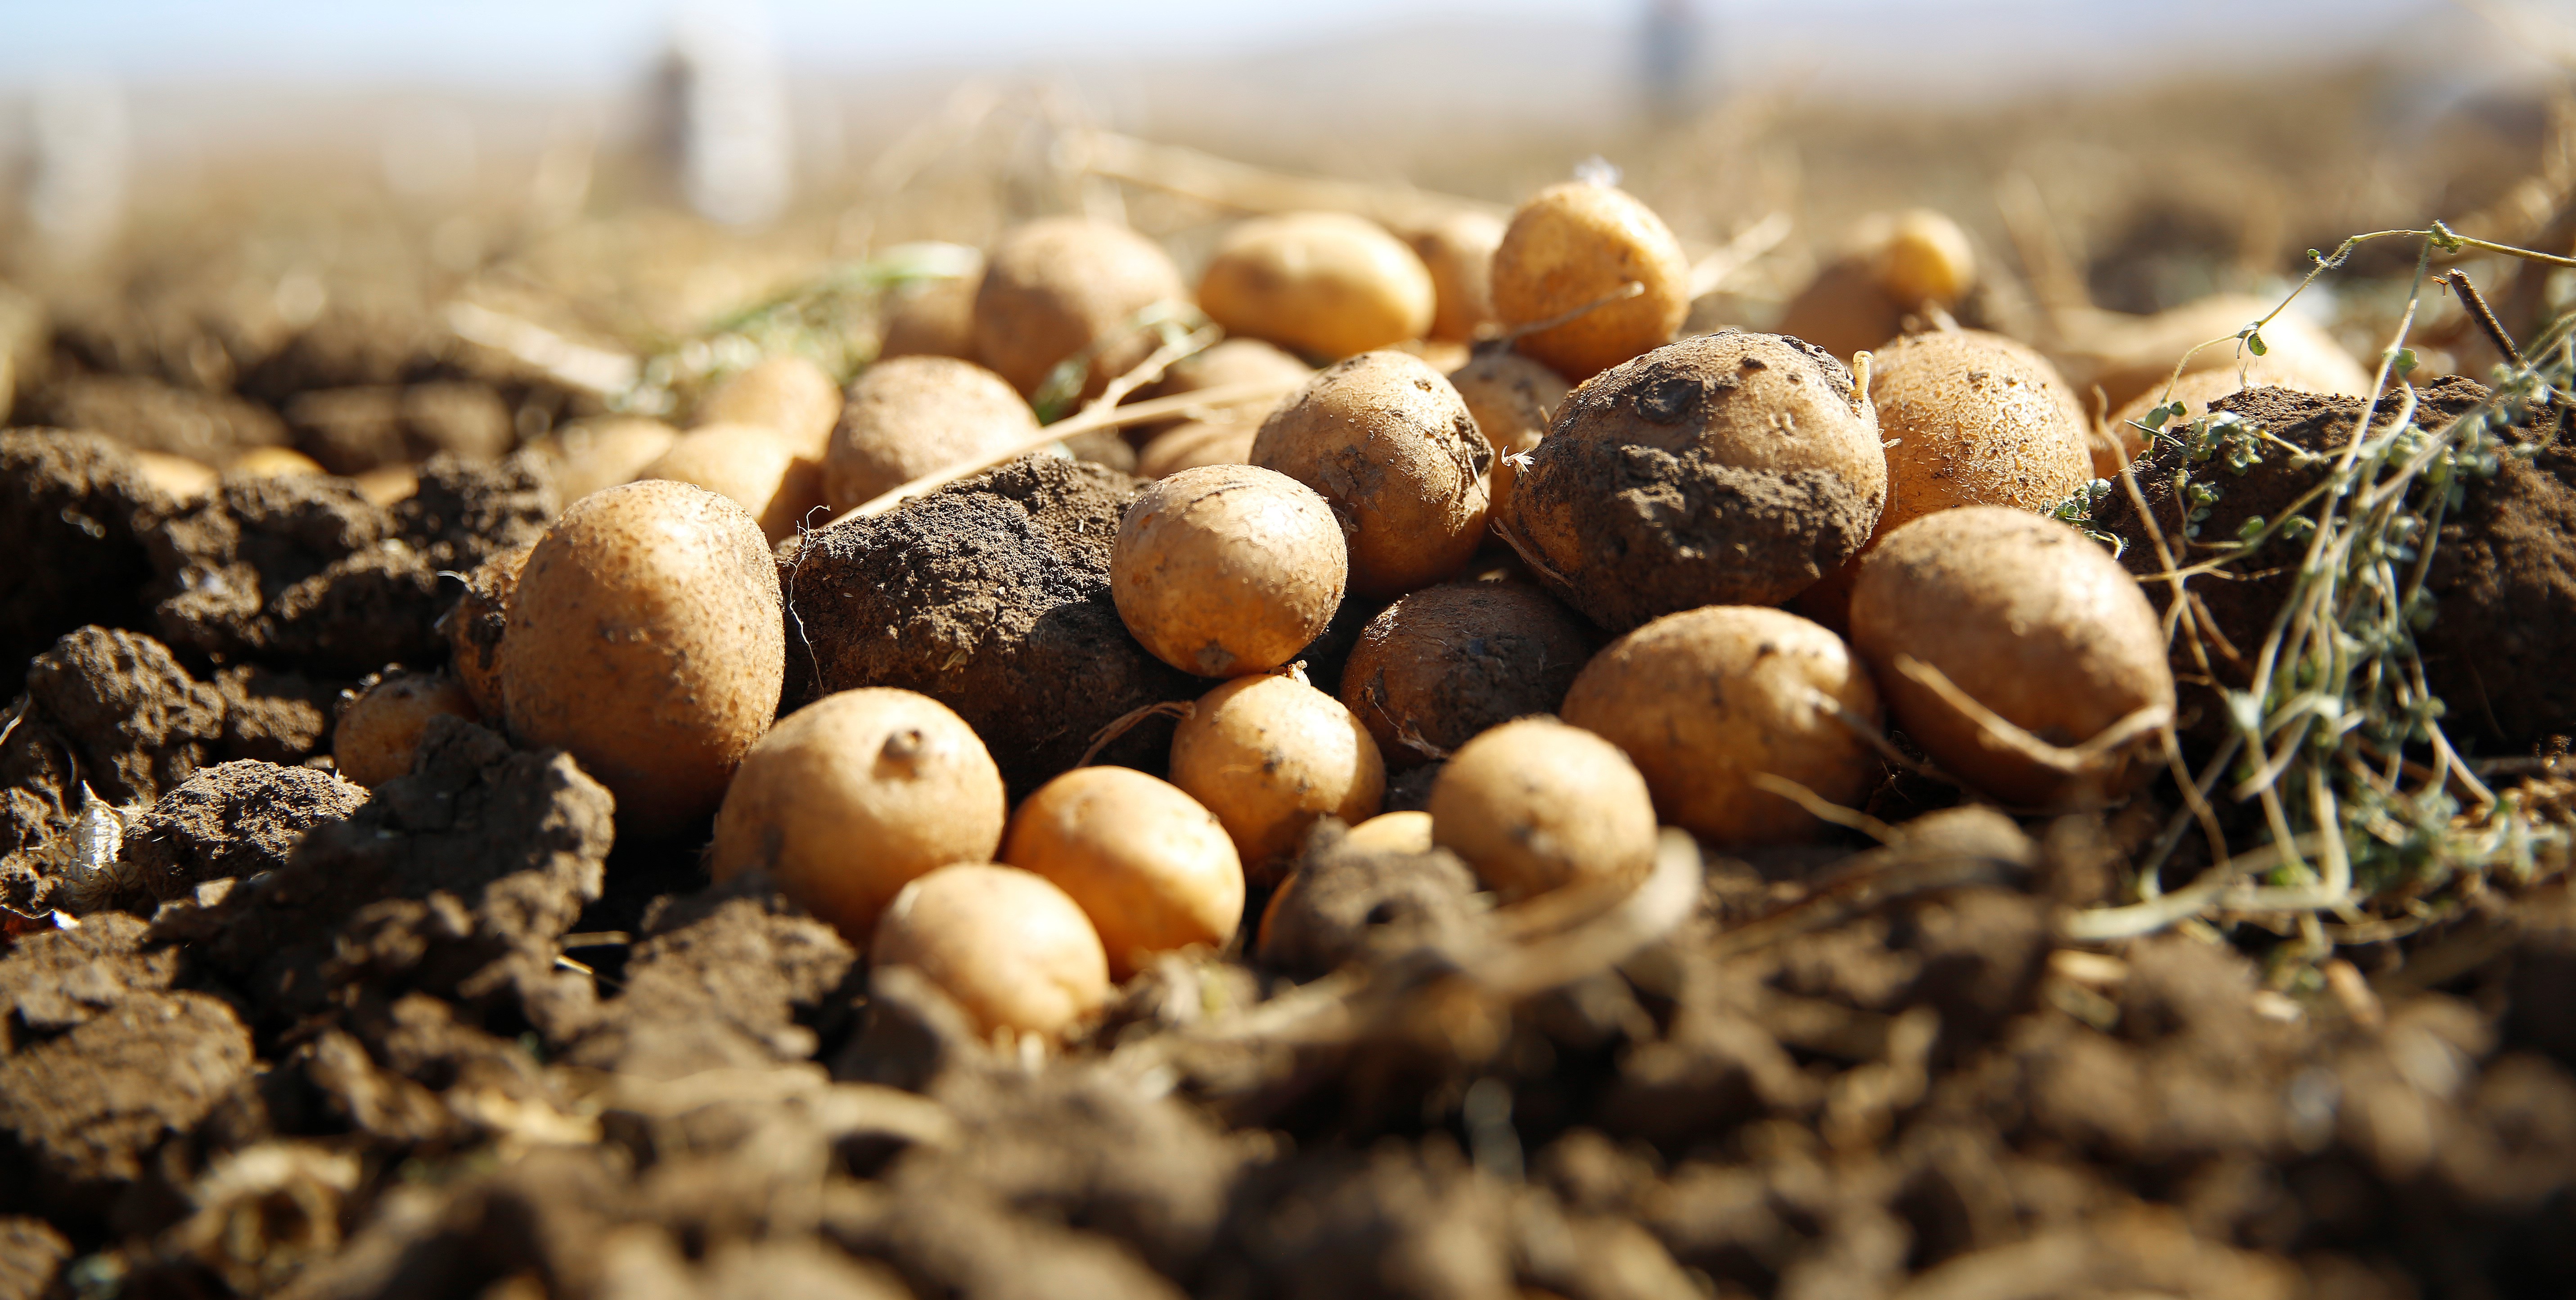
<point x="68" y="503"/>
<point x="209" y="428"/>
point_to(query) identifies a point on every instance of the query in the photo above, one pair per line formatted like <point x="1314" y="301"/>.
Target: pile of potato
<point x="1575" y="543"/>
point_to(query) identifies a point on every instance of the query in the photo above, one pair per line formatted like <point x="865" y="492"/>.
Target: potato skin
<point x="753" y="466"/>
<point x="1006" y="945"/>
<point x="912" y="415"/>
<point x="475" y="626"/>
<point x="1703" y="699"/>
<point x="1389" y="444"/>
<point x="2030" y="619"/>
<point x="1978" y="420"/>
<point x="1921" y="256"/>
<point x="852" y="797"/>
<point x="1152" y="867"/>
<point x="645" y="638"/>
<point x="1394" y="832"/>
<point x="1269" y="755"/>
<point x="1443" y="664"/>
<point x="587" y="455"/>
<point x="1513" y="400"/>
<point x="1197" y="444"/>
<point x="789" y="396"/>
<point x="1228" y="569"/>
<point x="1731" y="468"/>
<point x="1458" y="250"/>
<point x="1058" y="285"/>
<point x="931" y="318"/>
<point x="1324" y="283"/>
<point x="378" y="734"/>
<point x="1574" y="244"/>
<point x="1535" y="805"/>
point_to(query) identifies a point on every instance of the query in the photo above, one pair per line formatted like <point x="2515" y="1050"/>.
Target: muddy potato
<point x="587" y="455"/>
<point x="1389" y="444"/>
<point x="1574" y="244"/>
<point x="1059" y="286"/>
<point x="852" y="797"/>
<point x="1728" y="469"/>
<point x="475" y="626"/>
<point x="1394" y="832"/>
<point x="1446" y="663"/>
<point x="1198" y="443"/>
<point x="1535" y="805"/>
<point x="910" y="416"/>
<point x="1227" y="570"/>
<point x="1152" y="868"/>
<point x="753" y="466"/>
<point x="1704" y="700"/>
<point x="1513" y="400"/>
<point x="1012" y="950"/>
<point x="378" y="734"/>
<point x="788" y="395"/>
<point x="2033" y="622"/>
<point x="1270" y="754"/>
<point x="1324" y="283"/>
<point x="645" y="638"/>
<point x="1458" y="250"/>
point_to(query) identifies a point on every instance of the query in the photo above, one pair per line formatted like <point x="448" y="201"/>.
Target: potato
<point x="1513" y="400"/>
<point x="1062" y="286"/>
<point x="474" y="628"/>
<point x="788" y="395"/>
<point x="1730" y="468"/>
<point x="378" y="734"/>
<point x="1574" y="244"/>
<point x="1443" y="664"/>
<point x="2128" y="355"/>
<point x="913" y="415"/>
<point x="1458" y="250"/>
<point x="1196" y="444"/>
<point x="1844" y="310"/>
<point x="1010" y="949"/>
<point x="755" y="467"/>
<point x="1231" y="362"/>
<point x="272" y="462"/>
<point x="1897" y="264"/>
<point x="1227" y="570"/>
<point x="1152" y="868"/>
<point x="931" y="318"/>
<point x="386" y="484"/>
<point x="852" y="797"/>
<point x="2031" y="621"/>
<point x="177" y="477"/>
<point x="1535" y="805"/>
<point x="1705" y="699"/>
<point x="1390" y="445"/>
<point x="587" y="455"/>
<point x="1395" y="832"/>
<point x="1325" y="283"/>
<point x="1270" y="754"/>
<point x="645" y="637"/>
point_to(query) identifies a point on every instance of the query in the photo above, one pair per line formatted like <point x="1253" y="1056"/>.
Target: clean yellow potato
<point x="854" y="796"/>
<point x="1152" y="867"/>
<point x="1062" y="287"/>
<point x="1458" y="250"/>
<point x="273" y="462"/>
<point x="646" y="637"/>
<point x="1920" y="256"/>
<point x="1535" y="805"/>
<point x="755" y="467"/>
<point x="604" y="451"/>
<point x="1571" y="245"/>
<point x="177" y="477"/>
<point x="1704" y="700"/>
<point x="378" y="734"/>
<point x="1269" y="755"/>
<point x="1898" y="264"/>
<point x="1390" y="446"/>
<point x="1395" y="832"/>
<point x="386" y="484"/>
<point x="915" y="415"/>
<point x="1228" y="569"/>
<point x="1325" y="283"/>
<point x="1513" y="400"/>
<point x="1010" y="949"/>
<point x="788" y="395"/>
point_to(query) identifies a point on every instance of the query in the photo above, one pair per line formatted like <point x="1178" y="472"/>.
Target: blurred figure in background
<point x="722" y="99"/>
<point x="82" y="156"/>
<point x="1670" y="57"/>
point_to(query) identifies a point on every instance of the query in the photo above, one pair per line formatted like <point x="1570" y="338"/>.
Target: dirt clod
<point x="67" y="523"/>
<point x="235" y="819"/>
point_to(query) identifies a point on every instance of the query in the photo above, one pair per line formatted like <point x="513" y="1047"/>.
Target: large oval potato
<point x="1574" y="244"/>
<point x="645" y="638"/>
<point x="1325" y="283"/>
<point x="912" y="415"/>
<point x="1059" y="287"/>
<point x="1389" y="444"/>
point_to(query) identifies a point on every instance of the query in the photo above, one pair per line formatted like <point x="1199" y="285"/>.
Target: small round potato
<point x="1536" y="805"/>
<point x="475" y="626"/>
<point x="1513" y="400"/>
<point x="604" y="451"/>
<point x="176" y="477"/>
<point x="1153" y="869"/>
<point x="1391" y="447"/>
<point x="1574" y="244"/>
<point x="913" y="415"/>
<point x="788" y="395"/>
<point x="1459" y="252"/>
<point x="2029" y="619"/>
<point x="386" y="485"/>
<point x="1062" y="286"/>
<point x="1897" y="264"/>
<point x="1395" y="832"/>
<point x="931" y="318"/>
<point x="1227" y="570"/>
<point x="1270" y="754"/>
<point x="1706" y="699"/>
<point x="852" y="797"/>
<point x="1325" y="283"/>
<point x="1197" y="444"/>
<point x="753" y="466"/>
<point x="1008" y="947"/>
<point x="645" y="637"/>
<point x="378" y="734"/>
<point x="1920" y="256"/>
<point x="1446" y="663"/>
<point x="273" y="462"/>
<point x="1730" y="468"/>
